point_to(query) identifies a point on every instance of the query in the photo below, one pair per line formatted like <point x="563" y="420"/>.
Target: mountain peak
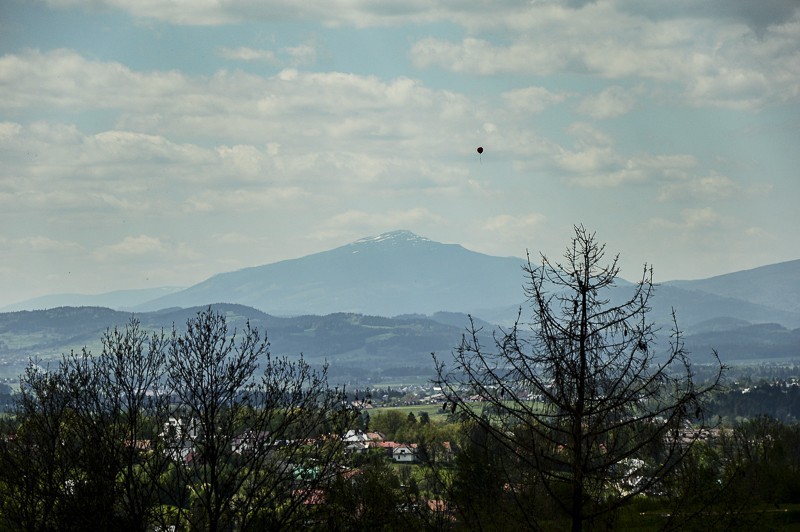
<point x="393" y="237"/>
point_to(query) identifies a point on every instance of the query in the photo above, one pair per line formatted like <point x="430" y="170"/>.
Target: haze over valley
<point x="376" y="308"/>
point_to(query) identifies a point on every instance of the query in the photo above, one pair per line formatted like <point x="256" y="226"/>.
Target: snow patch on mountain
<point x="392" y="237"/>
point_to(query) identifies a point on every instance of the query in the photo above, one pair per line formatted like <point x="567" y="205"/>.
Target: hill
<point x="358" y="347"/>
<point x="118" y="299"/>
<point x="775" y="286"/>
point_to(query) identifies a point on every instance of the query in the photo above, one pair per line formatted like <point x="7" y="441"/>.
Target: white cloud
<point x="63" y="78"/>
<point x="244" y="200"/>
<point x="692" y="219"/>
<point x="481" y="57"/>
<point x="589" y="160"/>
<point x="65" y="150"/>
<point x="533" y="99"/>
<point x="609" y="103"/>
<point x="198" y="12"/>
<point x="764" y="14"/>
<point x="688" y="187"/>
<point x="513" y="224"/>
<point x="243" y="53"/>
<point x="9" y="130"/>
<point x="331" y="109"/>
<point x="587" y="134"/>
<point x="113" y="175"/>
<point x="711" y="61"/>
<point x="363" y="13"/>
<point x="300" y="55"/>
<point x="244" y="160"/>
<point x="145" y="248"/>
<point x="59" y="166"/>
<point x="304" y="54"/>
<point x="702" y="189"/>
<point x="595" y="162"/>
<point x="507" y="234"/>
<point x="44" y="244"/>
<point x="603" y="168"/>
<point x="131" y="246"/>
<point x="239" y="239"/>
<point x="759" y="234"/>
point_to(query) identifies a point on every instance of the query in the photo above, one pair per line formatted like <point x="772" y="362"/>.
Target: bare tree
<point x="119" y="401"/>
<point x="78" y="456"/>
<point x="250" y="427"/>
<point x="202" y="430"/>
<point x="35" y="457"/>
<point x="583" y="407"/>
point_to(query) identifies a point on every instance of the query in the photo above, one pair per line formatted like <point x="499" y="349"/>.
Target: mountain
<point x="387" y="275"/>
<point x="326" y="305"/>
<point x="695" y="307"/>
<point x="118" y="300"/>
<point x="400" y="273"/>
<point x="776" y="285"/>
<point x="750" y="343"/>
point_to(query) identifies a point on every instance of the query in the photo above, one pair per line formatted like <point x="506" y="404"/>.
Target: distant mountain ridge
<point x="337" y="306"/>
<point x="386" y="275"/>
<point x="401" y="273"/>
<point x="118" y="299"/>
<point x="773" y="285"/>
<point x="355" y="345"/>
<point x="360" y="349"/>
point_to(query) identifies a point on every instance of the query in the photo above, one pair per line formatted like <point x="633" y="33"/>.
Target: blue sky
<point x="157" y="142"/>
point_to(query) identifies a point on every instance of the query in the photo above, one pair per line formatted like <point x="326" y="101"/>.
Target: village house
<point x="405" y="453"/>
<point x="179" y="437"/>
<point x="251" y="440"/>
<point x="355" y="441"/>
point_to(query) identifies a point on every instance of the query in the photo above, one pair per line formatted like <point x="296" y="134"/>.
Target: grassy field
<point x="434" y="411"/>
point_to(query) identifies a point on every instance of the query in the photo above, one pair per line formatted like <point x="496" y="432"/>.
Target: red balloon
<point x="480" y="149"/>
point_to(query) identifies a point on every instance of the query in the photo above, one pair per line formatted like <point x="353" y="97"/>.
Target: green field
<point x="434" y="411"/>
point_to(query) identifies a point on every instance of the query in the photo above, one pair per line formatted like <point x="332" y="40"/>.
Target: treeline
<point x="777" y="400"/>
<point x="203" y="430"/>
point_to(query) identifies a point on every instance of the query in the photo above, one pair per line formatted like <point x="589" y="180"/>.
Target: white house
<point x="404" y="453"/>
<point x="179" y="437"/>
<point x="356" y="440"/>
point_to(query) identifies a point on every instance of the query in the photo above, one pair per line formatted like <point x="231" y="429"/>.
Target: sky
<point x="149" y="143"/>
